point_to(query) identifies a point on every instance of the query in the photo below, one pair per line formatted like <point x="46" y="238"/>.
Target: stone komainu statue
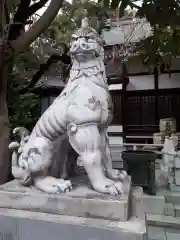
<point x="81" y="114"/>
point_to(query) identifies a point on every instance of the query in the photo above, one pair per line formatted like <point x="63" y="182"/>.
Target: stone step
<point x="172" y="210"/>
<point x="162" y="221"/>
<point x="175" y="188"/>
<point x="172" y="197"/>
<point x="161" y="233"/>
<point x="167" y="205"/>
<point x="142" y="203"/>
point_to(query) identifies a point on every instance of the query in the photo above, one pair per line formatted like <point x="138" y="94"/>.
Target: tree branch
<point x="19" y="20"/>
<point x="20" y="16"/>
<point x="44" y="67"/>
<point x="35" y="7"/>
<point x="133" y="5"/>
<point x="6" y="13"/>
<point x="22" y="42"/>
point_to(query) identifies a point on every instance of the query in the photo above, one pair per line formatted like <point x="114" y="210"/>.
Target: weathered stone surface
<point x="172" y="197"/>
<point x="177" y="162"/>
<point x="169" y="209"/>
<point x="177" y="210"/>
<point x="81" y="202"/>
<point x="172" y="234"/>
<point x="39" y="226"/>
<point x="137" y="202"/>
<point x="156" y="233"/>
<point x="163" y="221"/>
<point x="154" y="204"/>
<point x="161" y="233"/>
<point x="174" y="188"/>
<point x="146" y="204"/>
<point x="172" y="210"/>
<point x="177" y="176"/>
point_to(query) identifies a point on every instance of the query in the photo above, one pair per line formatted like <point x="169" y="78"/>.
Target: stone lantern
<point x="50" y="85"/>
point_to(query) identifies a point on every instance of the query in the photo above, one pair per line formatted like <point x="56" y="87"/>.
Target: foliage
<point x="121" y="4"/>
<point x="164" y="42"/>
<point x="23" y="110"/>
<point x="164" y="17"/>
<point x="162" y="46"/>
<point x="15" y="38"/>
<point x="26" y="61"/>
<point x="70" y="19"/>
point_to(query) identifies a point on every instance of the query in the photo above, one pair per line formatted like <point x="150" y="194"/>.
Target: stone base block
<point x="20" y="225"/>
<point x="177" y="176"/>
<point x="81" y="202"/>
<point x="162" y="221"/>
<point x="174" y="188"/>
<point x="142" y="203"/>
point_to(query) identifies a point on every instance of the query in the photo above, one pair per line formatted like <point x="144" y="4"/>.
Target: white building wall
<point x="146" y="82"/>
<point x="166" y="81"/>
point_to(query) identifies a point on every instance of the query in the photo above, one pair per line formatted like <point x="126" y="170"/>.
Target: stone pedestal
<point x="82" y="201"/>
<point x="21" y="225"/>
<point x="80" y="214"/>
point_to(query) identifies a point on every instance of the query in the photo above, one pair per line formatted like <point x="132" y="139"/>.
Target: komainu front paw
<point x="117" y="175"/>
<point x="109" y="187"/>
<point x="115" y="189"/>
<point x="53" y="185"/>
<point x="62" y="186"/>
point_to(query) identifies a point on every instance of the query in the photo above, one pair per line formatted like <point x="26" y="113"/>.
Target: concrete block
<point x="39" y="226"/>
<point x="172" y="234"/>
<point x="146" y="204"/>
<point x="177" y="162"/>
<point x="177" y="176"/>
<point x="162" y="221"/>
<point x="156" y="233"/>
<point x="161" y="180"/>
<point x="154" y="204"/>
<point x="174" y="188"/>
<point x="172" y="197"/>
<point x="169" y="210"/>
<point x="81" y="202"/>
<point x="177" y="210"/>
<point x="137" y="202"/>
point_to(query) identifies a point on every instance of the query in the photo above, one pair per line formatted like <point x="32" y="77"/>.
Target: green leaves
<point x="24" y="111"/>
<point x="70" y="19"/>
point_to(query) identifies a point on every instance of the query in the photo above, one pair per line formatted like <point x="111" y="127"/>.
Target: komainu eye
<point x="74" y="38"/>
<point x="92" y="36"/>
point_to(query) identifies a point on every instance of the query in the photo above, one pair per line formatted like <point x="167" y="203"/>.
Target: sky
<point x="41" y="11"/>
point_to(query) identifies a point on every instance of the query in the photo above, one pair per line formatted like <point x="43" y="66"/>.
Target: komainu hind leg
<point x="86" y="142"/>
<point x="107" y="159"/>
<point x="50" y="184"/>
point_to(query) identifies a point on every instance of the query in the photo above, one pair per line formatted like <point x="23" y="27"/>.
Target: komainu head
<point x="86" y="43"/>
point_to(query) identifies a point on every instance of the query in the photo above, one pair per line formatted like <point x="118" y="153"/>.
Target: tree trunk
<point x="6" y="55"/>
<point x="4" y="120"/>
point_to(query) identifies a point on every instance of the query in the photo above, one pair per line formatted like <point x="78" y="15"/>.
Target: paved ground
<point x="158" y="233"/>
